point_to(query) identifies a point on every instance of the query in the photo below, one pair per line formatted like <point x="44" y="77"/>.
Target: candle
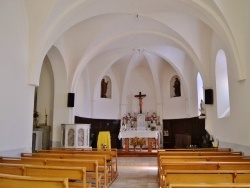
<point x="45" y="112"/>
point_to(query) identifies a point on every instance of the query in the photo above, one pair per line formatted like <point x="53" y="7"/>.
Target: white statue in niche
<point x="202" y="108"/>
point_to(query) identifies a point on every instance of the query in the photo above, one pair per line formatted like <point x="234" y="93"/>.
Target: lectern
<point x="75" y="135"/>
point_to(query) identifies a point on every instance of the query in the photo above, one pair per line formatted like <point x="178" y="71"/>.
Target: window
<point x="200" y="91"/>
<point x="222" y="89"/>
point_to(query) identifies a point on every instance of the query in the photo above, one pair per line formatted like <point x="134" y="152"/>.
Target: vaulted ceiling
<point x="117" y="30"/>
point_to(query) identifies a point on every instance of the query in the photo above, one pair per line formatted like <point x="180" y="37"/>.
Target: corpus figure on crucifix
<point x="140" y="97"/>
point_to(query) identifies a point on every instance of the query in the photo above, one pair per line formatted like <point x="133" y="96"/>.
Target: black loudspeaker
<point x="209" y="99"/>
<point x="71" y="99"/>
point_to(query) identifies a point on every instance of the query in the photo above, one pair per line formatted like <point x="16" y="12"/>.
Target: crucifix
<point x="140" y="97"/>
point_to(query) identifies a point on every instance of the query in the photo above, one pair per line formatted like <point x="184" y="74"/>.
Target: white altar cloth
<point x="139" y="134"/>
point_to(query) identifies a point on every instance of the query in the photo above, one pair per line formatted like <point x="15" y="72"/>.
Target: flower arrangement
<point x="141" y="142"/>
<point x="137" y="142"/>
<point x="152" y="128"/>
<point x="152" y="118"/>
<point x="128" y="118"/>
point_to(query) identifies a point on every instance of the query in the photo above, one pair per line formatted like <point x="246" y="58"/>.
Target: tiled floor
<point x="136" y="172"/>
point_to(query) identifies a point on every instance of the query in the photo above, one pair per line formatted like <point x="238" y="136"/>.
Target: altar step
<point x="136" y="153"/>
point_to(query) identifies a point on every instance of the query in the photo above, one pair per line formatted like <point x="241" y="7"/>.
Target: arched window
<point x="200" y="91"/>
<point x="175" y="86"/>
<point x="106" y="87"/>
<point x="222" y="89"/>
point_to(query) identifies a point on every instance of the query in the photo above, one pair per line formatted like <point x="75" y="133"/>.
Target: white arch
<point x="60" y="94"/>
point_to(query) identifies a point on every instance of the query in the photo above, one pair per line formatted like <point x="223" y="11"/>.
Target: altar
<point x="150" y="135"/>
<point x="139" y="127"/>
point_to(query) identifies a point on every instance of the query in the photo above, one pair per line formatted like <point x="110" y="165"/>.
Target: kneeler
<point x="103" y="138"/>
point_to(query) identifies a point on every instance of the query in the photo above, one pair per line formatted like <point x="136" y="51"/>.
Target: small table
<point x="139" y="134"/>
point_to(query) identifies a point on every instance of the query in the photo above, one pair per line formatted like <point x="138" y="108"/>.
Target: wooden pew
<point x="72" y="173"/>
<point x="199" y="165"/>
<point x="160" y="154"/>
<point x="197" y="176"/>
<point x="91" y="166"/>
<point x="113" y="152"/>
<point x="197" y="149"/>
<point x="111" y="156"/>
<point x="205" y="176"/>
<point x="198" y="153"/>
<point x="185" y="166"/>
<point x="207" y="165"/>
<point x="176" y="159"/>
<point x="228" y="158"/>
<point x="209" y="185"/>
<point x="198" y="161"/>
<point x="219" y="166"/>
<point x="102" y="161"/>
<point x="14" y="181"/>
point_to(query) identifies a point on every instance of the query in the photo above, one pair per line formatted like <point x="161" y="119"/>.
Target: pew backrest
<point x="209" y="185"/>
<point x="242" y="176"/>
<point x="228" y="158"/>
<point x="14" y="181"/>
<point x="206" y="176"/>
<point x="72" y="173"/>
<point x="206" y="165"/>
<point x="200" y="176"/>
<point x="198" y="153"/>
<point x="197" y="149"/>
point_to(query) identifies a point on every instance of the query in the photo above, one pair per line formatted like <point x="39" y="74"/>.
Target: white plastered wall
<point x="16" y="96"/>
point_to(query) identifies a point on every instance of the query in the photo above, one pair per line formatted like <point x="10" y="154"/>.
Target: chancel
<point x="140" y="126"/>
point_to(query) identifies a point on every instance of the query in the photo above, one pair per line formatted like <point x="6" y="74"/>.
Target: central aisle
<point x="136" y="172"/>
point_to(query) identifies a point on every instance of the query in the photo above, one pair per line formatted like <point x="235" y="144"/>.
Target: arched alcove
<point x="106" y="87"/>
<point x="175" y="86"/>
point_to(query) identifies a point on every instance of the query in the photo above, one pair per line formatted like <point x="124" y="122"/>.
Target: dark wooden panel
<point x="190" y="126"/>
<point x="182" y="140"/>
<point x="98" y="125"/>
